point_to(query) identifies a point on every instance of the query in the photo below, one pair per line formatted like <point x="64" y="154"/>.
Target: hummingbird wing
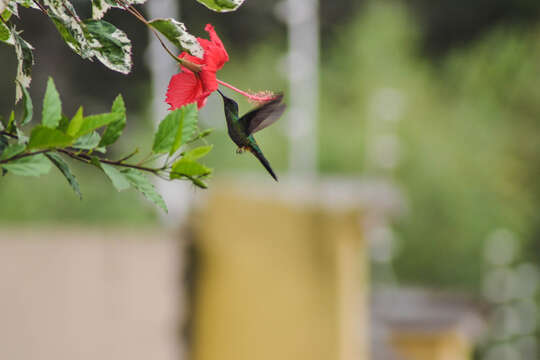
<point x="263" y="116"/>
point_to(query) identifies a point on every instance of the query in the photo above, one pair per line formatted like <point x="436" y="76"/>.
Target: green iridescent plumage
<point x="241" y="129"/>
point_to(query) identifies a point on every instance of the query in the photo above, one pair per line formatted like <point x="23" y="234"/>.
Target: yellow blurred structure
<point x="417" y="324"/>
<point x="283" y="274"/>
<point x="443" y="345"/>
<point x="279" y="279"/>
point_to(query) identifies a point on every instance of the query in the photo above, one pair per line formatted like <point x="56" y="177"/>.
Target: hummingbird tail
<point x="259" y="155"/>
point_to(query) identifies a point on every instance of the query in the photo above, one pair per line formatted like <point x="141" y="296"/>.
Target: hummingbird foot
<point x="240" y="150"/>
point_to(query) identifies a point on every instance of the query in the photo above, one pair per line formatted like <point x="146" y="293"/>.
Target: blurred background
<point x="405" y="224"/>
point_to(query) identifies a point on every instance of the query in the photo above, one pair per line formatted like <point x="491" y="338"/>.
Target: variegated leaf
<point x="100" y="7"/>
<point x="25" y="60"/>
<point x="222" y="5"/>
<point x="64" y="17"/>
<point x="177" y="34"/>
<point x="111" y="45"/>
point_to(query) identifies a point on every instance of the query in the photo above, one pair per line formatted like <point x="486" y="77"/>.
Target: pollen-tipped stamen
<point x="260" y="97"/>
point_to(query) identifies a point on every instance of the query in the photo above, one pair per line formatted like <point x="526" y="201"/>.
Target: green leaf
<point x="93" y="122"/>
<point x="198" y="152"/>
<point x="3" y="144"/>
<point x="63" y="124"/>
<point x="11" y="122"/>
<point x="64" y="169"/>
<point x="114" y="130"/>
<point x="222" y="5"/>
<point x="76" y="123"/>
<point x="52" y="106"/>
<point x="198" y="183"/>
<point x="12" y="150"/>
<point x="167" y="132"/>
<point x="6" y="14"/>
<point x="111" y="46"/>
<point x="142" y="184"/>
<point x="35" y="165"/>
<point x="25" y="60"/>
<point x="177" y="34"/>
<point x="88" y="141"/>
<point x="5" y="34"/>
<point x="188" y="168"/>
<point x="118" y="179"/>
<point x="46" y="138"/>
<point x="201" y="135"/>
<point x="187" y="128"/>
<point x="28" y="107"/>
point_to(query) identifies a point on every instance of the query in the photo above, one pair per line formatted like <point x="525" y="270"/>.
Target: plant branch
<point x="88" y="159"/>
<point x="40" y="6"/>
<point x="8" y="134"/>
<point x="22" y="155"/>
<point x="85" y="158"/>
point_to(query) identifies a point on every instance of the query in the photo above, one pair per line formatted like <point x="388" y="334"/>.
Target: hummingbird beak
<point x="220" y="93"/>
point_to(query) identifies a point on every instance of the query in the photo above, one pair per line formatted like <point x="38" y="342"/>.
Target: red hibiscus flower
<point x="197" y="80"/>
<point x="187" y="86"/>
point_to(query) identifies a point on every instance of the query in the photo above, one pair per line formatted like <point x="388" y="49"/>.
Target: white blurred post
<point x="303" y="29"/>
<point x="177" y="194"/>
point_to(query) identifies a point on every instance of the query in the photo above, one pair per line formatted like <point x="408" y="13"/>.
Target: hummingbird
<point x="241" y="129"/>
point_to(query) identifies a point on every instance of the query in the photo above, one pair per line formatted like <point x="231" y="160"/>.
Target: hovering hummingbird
<point x="241" y="130"/>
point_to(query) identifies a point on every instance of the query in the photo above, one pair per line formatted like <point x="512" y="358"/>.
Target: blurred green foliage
<point x="468" y="133"/>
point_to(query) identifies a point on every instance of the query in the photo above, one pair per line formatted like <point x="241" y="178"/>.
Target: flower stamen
<point x="261" y="97"/>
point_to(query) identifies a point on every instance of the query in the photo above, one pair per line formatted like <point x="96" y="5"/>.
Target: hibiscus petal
<point x="208" y="80"/>
<point x="213" y="36"/>
<point x="184" y="88"/>
<point x="215" y="55"/>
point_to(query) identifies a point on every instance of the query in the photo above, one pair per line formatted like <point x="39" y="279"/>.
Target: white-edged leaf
<point x="65" y="18"/>
<point x="100" y="7"/>
<point x="177" y="33"/>
<point x="222" y="5"/>
<point x="110" y="45"/>
<point x="28" y="4"/>
<point x="25" y="60"/>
